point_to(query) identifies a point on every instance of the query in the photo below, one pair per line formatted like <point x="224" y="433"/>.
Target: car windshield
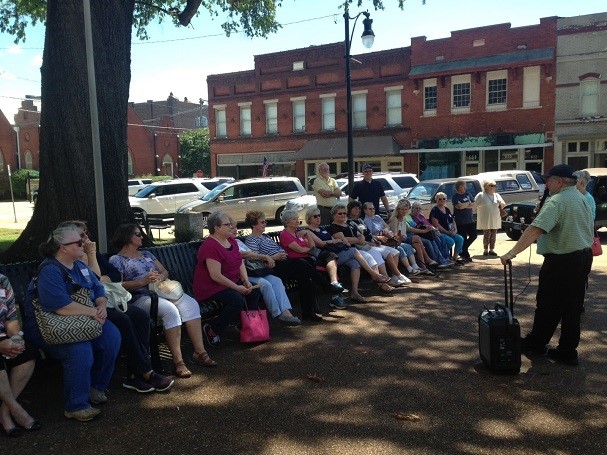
<point x="423" y="191"/>
<point x="210" y="185"/>
<point x="405" y="181"/>
<point x="211" y="195"/>
<point x="146" y="191"/>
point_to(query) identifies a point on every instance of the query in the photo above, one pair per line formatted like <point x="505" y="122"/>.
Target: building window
<point x="359" y="110"/>
<point x="497" y="83"/>
<point x="430" y="96"/>
<point x="271" y="117"/>
<point x="245" y="119"/>
<point x="220" y="122"/>
<point x="167" y="165"/>
<point x="201" y="122"/>
<point x="589" y="104"/>
<point x="394" y="107"/>
<point x="460" y="93"/>
<point x="531" y="86"/>
<point x="29" y="162"/>
<point x="328" y="113"/>
<point x="130" y="169"/>
<point x="299" y="115"/>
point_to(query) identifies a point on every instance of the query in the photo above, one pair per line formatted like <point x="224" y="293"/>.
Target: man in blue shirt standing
<point x="369" y="190"/>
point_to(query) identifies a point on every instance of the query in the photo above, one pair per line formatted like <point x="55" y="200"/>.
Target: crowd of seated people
<point x="309" y="256"/>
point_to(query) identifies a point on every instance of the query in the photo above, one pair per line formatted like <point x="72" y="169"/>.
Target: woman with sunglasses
<point x="87" y="365"/>
<point x="488" y="205"/>
<point x="133" y="324"/>
<point x="442" y="219"/>
<point x="139" y="269"/>
<point x="419" y="224"/>
<point x="346" y="254"/>
<point x="289" y="268"/>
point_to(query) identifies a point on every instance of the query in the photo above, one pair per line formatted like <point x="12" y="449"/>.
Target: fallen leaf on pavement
<point x="403" y="416"/>
<point x="314" y="378"/>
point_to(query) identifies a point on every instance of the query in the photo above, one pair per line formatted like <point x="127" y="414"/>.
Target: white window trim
<point x="398" y="91"/>
<point x="460" y="79"/>
<point x="268" y="103"/>
<point x="327" y="97"/>
<point x="221" y="108"/>
<point x="532" y="71"/>
<point x="243" y="133"/>
<point x="491" y="76"/>
<point x="432" y="82"/>
<point x="297" y="100"/>
<point x="358" y="93"/>
<point x="597" y="83"/>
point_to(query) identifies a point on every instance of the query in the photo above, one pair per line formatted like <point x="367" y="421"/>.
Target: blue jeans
<point x="273" y="293"/>
<point x="86" y="364"/>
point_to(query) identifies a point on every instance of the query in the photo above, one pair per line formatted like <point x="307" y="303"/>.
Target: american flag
<point x="266" y="167"/>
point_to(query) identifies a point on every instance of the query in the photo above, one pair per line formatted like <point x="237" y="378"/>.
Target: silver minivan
<point x="268" y="194"/>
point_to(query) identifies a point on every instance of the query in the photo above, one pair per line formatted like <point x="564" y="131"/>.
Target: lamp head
<point x="368" y="36"/>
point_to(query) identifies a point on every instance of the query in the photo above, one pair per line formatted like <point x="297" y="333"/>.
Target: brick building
<point x="184" y="114"/>
<point x="480" y="100"/>
<point x="581" y="91"/>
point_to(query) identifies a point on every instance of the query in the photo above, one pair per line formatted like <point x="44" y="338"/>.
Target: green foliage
<point x="195" y="152"/>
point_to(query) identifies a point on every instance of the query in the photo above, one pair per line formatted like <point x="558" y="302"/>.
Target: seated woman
<point x="220" y="275"/>
<point x="442" y="219"/>
<point x="87" y="365"/>
<point x="398" y="224"/>
<point x="299" y="244"/>
<point x="133" y="325"/>
<point x="419" y="224"/>
<point x="389" y="255"/>
<point x="346" y="254"/>
<point x="380" y="232"/>
<point x="285" y="268"/>
<point x="340" y="229"/>
<point x="16" y="366"/>
<point x="139" y="269"/>
<point x="272" y="288"/>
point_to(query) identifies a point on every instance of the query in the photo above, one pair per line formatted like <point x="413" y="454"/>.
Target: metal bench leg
<point x="155" y="335"/>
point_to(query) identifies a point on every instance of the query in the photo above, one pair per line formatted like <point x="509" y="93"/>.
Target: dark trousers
<point x="325" y="214"/>
<point x="468" y="232"/>
<point x="134" y="327"/>
<point x="306" y="277"/>
<point x="233" y="303"/>
<point x="560" y="298"/>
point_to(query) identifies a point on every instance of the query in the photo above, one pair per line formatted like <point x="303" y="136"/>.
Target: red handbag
<point x="254" y="326"/>
<point x="597" y="249"/>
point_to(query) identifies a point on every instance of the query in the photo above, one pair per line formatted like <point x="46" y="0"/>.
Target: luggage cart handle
<point x="508" y="294"/>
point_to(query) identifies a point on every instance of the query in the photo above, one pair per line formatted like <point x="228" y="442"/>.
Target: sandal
<point x="181" y="371"/>
<point x="381" y="279"/>
<point x="203" y="359"/>
<point x="385" y="287"/>
<point x="358" y="298"/>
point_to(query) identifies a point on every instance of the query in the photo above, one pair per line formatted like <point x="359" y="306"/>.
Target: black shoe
<point x="11" y="432"/>
<point x="311" y="317"/>
<point x="530" y="349"/>
<point x="34" y="426"/>
<point x="335" y="288"/>
<point x="558" y="356"/>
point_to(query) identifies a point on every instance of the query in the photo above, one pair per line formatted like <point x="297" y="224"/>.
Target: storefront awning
<point x="466" y="149"/>
<point x="338" y="148"/>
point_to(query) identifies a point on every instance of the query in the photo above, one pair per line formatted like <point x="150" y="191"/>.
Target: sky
<point x="178" y="59"/>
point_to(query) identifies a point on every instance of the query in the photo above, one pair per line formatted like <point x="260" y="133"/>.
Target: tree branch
<point x="188" y="12"/>
<point x="169" y="12"/>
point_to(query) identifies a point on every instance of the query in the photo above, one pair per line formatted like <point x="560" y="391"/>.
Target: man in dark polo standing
<point x="327" y="193"/>
<point x="369" y="190"/>
<point x="564" y="228"/>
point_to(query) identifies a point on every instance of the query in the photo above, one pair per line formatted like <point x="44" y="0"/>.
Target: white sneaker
<point x="404" y="280"/>
<point x="395" y="281"/>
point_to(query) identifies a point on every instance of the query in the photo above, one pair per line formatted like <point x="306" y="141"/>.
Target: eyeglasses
<point x="416" y="208"/>
<point x="84" y="234"/>
<point x="79" y="242"/>
<point x="491" y="185"/>
<point x="341" y="213"/>
<point x="441" y="199"/>
<point x="227" y="224"/>
<point x="138" y="234"/>
<point x="316" y="216"/>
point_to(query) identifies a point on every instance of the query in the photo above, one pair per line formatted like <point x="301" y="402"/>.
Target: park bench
<point x="149" y="222"/>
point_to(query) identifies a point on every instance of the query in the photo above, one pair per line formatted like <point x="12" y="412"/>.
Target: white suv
<point x="391" y="183"/>
<point x="164" y="197"/>
<point x="136" y="184"/>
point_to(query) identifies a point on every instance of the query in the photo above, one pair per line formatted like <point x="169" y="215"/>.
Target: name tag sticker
<point x="149" y="259"/>
<point x="85" y="272"/>
<point x="2" y="293"/>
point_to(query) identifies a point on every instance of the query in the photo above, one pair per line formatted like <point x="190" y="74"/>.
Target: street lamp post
<point x="367" y="38"/>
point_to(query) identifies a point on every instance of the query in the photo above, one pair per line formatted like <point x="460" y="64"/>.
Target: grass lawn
<point x="7" y="237"/>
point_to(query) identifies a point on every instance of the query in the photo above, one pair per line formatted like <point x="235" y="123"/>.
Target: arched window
<point x="1" y="160"/>
<point x="29" y="161"/>
<point x="130" y="163"/>
<point x="167" y="165"/>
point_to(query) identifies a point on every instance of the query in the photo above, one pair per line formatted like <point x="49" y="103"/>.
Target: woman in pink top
<point x="220" y="275"/>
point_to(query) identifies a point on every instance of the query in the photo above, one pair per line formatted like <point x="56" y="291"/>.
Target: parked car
<point x="268" y="194"/>
<point x="137" y="184"/>
<point x="165" y="197"/>
<point x="511" y="185"/>
<point x="519" y="214"/>
<point x="391" y="183"/>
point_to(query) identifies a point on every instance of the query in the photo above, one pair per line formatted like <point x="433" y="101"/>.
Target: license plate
<point x="517" y="226"/>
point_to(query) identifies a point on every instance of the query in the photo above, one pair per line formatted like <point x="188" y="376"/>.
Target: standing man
<point x="327" y="193"/>
<point x="564" y="230"/>
<point x="463" y="202"/>
<point x="369" y="190"/>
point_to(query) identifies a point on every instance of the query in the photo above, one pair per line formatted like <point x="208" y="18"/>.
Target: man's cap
<point x="367" y="166"/>
<point x="560" y="170"/>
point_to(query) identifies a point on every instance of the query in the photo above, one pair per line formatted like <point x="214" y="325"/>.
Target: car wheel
<point x="514" y="235"/>
<point x="278" y="213"/>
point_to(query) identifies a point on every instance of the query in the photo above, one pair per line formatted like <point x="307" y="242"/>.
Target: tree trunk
<point x="67" y="189"/>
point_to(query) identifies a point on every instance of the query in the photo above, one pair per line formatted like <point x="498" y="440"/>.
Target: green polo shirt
<point x="567" y="222"/>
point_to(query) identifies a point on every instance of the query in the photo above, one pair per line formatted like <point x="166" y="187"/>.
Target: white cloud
<point x="15" y="49"/>
<point x="36" y="61"/>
